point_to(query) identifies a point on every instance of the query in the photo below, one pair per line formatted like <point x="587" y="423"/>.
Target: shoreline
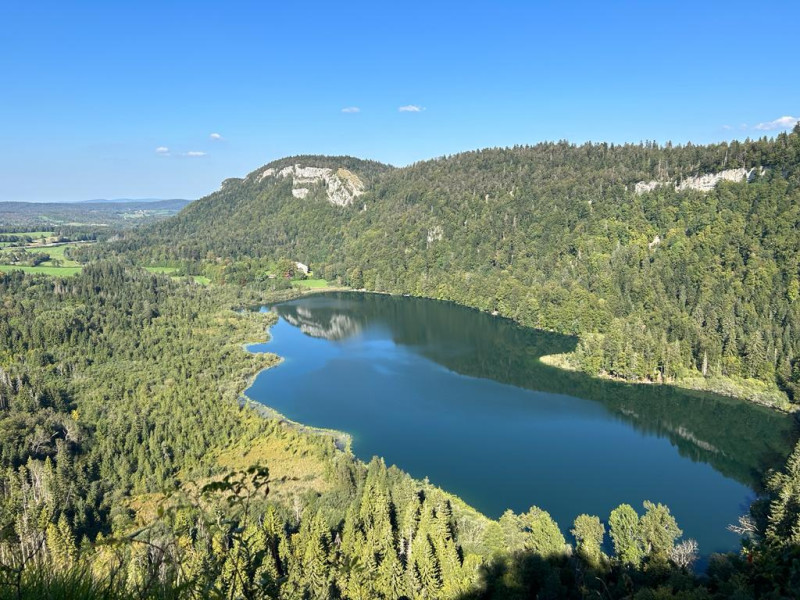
<point x="720" y="385"/>
<point x="342" y="440"/>
<point x="744" y="390"/>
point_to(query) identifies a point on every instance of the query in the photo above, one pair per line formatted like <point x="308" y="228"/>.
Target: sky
<point x="166" y="99"/>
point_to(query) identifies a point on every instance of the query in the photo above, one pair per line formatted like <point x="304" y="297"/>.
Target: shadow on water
<point x="739" y="439"/>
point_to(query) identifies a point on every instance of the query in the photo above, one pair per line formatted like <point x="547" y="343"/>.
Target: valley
<point x="134" y="417"/>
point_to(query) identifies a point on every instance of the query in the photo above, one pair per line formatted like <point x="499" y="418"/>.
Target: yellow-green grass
<point x="164" y="270"/>
<point x="312" y="283"/>
<point x="201" y="279"/>
<point x="59" y="271"/>
<point x="296" y="463"/>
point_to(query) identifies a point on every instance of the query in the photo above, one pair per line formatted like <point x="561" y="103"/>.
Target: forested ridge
<point x="664" y="285"/>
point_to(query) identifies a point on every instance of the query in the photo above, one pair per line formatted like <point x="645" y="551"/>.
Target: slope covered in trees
<point x="120" y="418"/>
<point x="661" y="285"/>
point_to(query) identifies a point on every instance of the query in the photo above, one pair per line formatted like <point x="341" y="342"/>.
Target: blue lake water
<point x="461" y="397"/>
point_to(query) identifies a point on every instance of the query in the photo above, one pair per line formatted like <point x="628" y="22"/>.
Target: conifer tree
<point x="542" y="537"/>
<point x="658" y="531"/>
<point x="624" y="531"/>
<point x="589" y="533"/>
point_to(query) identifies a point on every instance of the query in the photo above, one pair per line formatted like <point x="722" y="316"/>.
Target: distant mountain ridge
<point x="119" y="213"/>
<point x="132" y="200"/>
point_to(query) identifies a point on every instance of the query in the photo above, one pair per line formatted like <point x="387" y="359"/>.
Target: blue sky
<point x="92" y="92"/>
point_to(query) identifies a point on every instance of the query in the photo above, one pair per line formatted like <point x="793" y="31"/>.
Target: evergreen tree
<point x="589" y="533"/>
<point x="625" y="534"/>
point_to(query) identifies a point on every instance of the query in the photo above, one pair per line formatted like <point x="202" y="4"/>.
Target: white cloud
<point x="215" y="136"/>
<point x="410" y="108"/>
<point x="194" y="153"/>
<point x="351" y="109"/>
<point x="162" y="150"/>
<point x="727" y="127"/>
<point x="781" y="123"/>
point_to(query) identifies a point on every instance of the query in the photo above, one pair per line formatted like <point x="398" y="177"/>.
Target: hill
<point x="671" y="262"/>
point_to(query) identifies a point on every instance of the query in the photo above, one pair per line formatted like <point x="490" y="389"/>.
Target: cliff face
<point x="701" y="183"/>
<point x="342" y="186"/>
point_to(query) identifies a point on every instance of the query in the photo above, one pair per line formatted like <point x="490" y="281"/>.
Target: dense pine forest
<point x="132" y="470"/>
<point x="670" y="284"/>
<point x="132" y="467"/>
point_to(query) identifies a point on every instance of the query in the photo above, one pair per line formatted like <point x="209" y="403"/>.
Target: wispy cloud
<point x="215" y="136"/>
<point x="351" y="109"/>
<point x="411" y="108"/>
<point x="781" y="123"/>
<point x="727" y="127"/>
<point x="194" y="153"/>
<point x="162" y="150"/>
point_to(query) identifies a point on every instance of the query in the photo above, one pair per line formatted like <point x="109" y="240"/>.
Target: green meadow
<point x="43" y="270"/>
<point x="311" y="283"/>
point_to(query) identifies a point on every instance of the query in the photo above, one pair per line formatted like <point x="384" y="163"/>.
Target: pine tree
<point x="589" y="533"/>
<point x="624" y="531"/>
<point x="783" y="526"/>
<point x="658" y="531"/>
<point x="542" y="537"/>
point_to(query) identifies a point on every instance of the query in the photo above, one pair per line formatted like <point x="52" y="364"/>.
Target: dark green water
<point x="460" y="397"/>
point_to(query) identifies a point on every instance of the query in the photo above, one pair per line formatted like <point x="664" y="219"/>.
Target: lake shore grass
<point x="341" y="439"/>
<point x="311" y="283"/>
<point x="749" y="390"/>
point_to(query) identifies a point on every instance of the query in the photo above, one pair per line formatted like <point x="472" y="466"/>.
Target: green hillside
<point x="667" y="285"/>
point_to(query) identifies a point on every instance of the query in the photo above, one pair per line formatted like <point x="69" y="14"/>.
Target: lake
<point x="460" y="397"/>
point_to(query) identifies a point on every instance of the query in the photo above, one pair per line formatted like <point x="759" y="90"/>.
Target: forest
<point x="133" y="467"/>
<point x="671" y="284"/>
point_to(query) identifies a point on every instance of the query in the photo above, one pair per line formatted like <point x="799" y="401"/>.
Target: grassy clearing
<point x="312" y="283"/>
<point x="201" y="279"/>
<point x="164" y="270"/>
<point x="57" y="271"/>
<point x="56" y="253"/>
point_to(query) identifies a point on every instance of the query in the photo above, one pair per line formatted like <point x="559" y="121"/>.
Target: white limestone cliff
<point x="701" y="183"/>
<point x="341" y="186"/>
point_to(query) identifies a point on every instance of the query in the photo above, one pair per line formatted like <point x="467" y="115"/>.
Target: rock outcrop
<point x="341" y="186"/>
<point x="701" y="183"/>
